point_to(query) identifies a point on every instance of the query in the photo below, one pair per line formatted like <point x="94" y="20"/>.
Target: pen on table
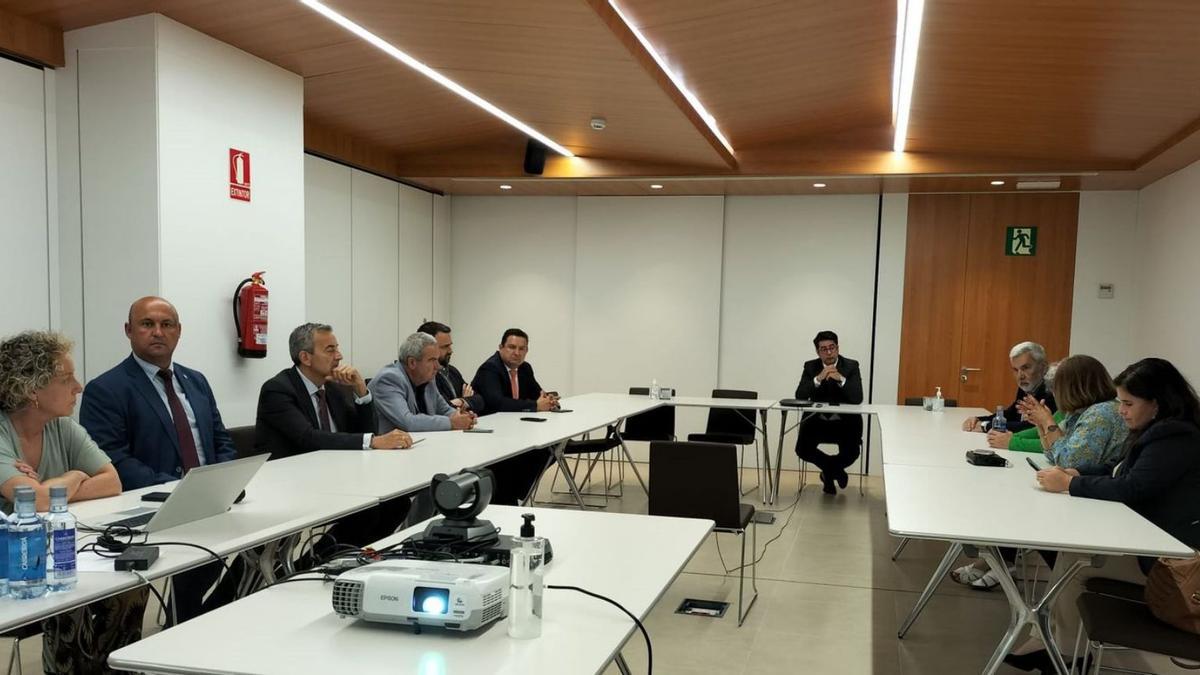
<point x="1033" y="464"/>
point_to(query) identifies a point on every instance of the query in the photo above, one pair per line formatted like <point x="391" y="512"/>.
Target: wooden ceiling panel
<point x="1084" y="79"/>
<point x="771" y="71"/>
<point x="550" y="63"/>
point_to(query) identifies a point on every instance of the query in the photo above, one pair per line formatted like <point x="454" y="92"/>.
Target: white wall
<point x="213" y="97"/>
<point x="25" y="255"/>
<point x="442" y="257"/>
<point x="372" y="269"/>
<point x="1108" y="234"/>
<point x="795" y="265"/>
<point x="513" y="265"/>
<point x="1168" y="315"/>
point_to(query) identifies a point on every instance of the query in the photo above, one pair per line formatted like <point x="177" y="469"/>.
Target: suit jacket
<point x="287" y="424"/>
<point x="831" y="391"/>
<point x="450" y="383"/>
<point x="1013" y="416"/>
<point x="492" y="383"/>
<point x="124" y="414"/>
<point x="396" y="403"/>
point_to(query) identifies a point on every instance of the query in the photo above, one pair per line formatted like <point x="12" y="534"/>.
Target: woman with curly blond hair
<point x="41" y="446"/>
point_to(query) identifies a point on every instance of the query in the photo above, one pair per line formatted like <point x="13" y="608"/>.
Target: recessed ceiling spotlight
<point x="818" y="185"/>
<point x="506" y="186"/>
<point x="655" y="186"/>
<point x="997" y="182"/>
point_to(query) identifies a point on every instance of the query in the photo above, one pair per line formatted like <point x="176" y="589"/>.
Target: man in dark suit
<point x="157" y="419"/>
<point x="506" y="383"/>
<point x="830" y="378"/>
<point x="450" y="382"/>
<point x="321" y="403"/>
<point x="318" y="404"/>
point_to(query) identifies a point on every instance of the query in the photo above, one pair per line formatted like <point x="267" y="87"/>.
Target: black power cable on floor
<point x="614" y="603"/>
<point x="791" y="511"/>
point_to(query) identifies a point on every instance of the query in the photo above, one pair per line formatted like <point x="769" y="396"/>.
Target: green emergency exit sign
<point x="1020" y="241"/>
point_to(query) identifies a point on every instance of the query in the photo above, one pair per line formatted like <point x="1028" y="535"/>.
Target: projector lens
<point x="431" y="600"/>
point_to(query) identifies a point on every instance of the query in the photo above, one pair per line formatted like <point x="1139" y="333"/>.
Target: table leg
<point x="623" y="667"/>
<point x="942" y="569"/>
<point x="768" y="495"/>
<point x="561" y="459"/>
<point x="1037" y="616"/>
<point x="779" y="451"/>
<point x="629" y="458"/>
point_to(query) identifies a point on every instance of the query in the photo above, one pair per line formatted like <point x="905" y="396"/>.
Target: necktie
<point x="323" y="410"/>
<point x="188" y="454"/>
<point x="516" y="389"/>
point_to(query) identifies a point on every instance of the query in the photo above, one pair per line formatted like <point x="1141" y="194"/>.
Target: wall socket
<point x="1107" y="291"/>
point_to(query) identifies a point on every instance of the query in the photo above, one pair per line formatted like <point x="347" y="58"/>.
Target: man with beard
<point x="450" y="382"/>
<point x="1029" y="369"/>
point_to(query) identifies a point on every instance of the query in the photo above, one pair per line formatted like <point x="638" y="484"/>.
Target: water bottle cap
<point x="25" y="493"/>
<point x="58" y="492"/>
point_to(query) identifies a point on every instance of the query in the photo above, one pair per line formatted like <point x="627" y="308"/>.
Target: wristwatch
<point x="1053" y="427"/>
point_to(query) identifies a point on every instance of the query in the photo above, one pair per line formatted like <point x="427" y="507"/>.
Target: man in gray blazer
<point x="405" y="396"/>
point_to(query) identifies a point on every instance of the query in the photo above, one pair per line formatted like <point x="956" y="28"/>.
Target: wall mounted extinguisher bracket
<point x="250" y="317"/>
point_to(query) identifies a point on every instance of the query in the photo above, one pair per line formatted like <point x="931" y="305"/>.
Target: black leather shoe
<point x="1039" y="660"/>
<point x="827" y="484"/>
<point x="842" y="478"/>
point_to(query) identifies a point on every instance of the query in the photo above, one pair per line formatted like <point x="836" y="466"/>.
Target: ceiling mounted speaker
<point x="535" y="157"/>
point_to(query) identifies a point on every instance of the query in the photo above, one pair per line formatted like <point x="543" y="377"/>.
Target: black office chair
<point x="731" y="425"/>
<point x="653" y="425"/>
<point x="920" y="401"/>
<point x="243" y="440"/>
<point x="696" y="480"/>
<point x="1114" y="613"/>
<point x="595" y="450"/>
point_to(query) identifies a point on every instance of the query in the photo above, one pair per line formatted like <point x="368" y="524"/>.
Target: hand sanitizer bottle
<point x="525" y="583"/>
<point x="939" y="403"/>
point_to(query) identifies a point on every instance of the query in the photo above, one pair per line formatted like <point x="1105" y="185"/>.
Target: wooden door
<point x="967" y="300"/>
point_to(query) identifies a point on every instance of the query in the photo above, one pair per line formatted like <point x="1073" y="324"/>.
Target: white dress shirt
<point x="312" y="390"/>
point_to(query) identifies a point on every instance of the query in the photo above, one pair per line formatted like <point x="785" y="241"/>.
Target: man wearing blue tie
<point x="156" y="420"/>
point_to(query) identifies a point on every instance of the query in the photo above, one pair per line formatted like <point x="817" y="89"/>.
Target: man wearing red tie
<point x="506" y="381"/>
<point x="157" y="419"/>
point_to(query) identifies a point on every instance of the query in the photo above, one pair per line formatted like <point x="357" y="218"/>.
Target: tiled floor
<point x="830" y="601"/>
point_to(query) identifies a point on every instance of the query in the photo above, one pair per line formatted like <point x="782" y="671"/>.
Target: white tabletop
<point x="1004" y="506"/>
<point x="92" y="586"/>
<point x="292" y="629"/>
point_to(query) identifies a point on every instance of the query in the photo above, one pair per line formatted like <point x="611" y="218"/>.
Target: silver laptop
<point x="205" y="491"/>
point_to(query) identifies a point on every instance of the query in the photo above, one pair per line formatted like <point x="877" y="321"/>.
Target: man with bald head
<point x="157" y="419"/>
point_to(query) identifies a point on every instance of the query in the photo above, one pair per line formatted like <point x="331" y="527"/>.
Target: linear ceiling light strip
<point x="432" y="74"/>
<point x="709" y="120"/>
<point x="909" y="41"/>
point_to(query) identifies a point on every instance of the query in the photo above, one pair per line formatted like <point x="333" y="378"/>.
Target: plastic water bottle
<point x="60" y="559"/>
<point x="3" y="554"/>
<point x="654" y="388"/>
<point x="26" y="548"/>
<point x="525" y="583"/>
<point x="999" y="423"/>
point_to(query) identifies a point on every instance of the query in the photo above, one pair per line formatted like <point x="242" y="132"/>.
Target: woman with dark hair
<point x="1158" y="476"/>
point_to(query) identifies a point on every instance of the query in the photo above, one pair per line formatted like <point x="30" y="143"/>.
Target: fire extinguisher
<point x="250" y="317"/>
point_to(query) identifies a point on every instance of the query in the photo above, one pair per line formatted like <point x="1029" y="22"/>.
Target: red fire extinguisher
<point x="250" y="317"/>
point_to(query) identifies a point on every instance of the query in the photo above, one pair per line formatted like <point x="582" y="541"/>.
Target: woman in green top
<point x="40" y="445"/>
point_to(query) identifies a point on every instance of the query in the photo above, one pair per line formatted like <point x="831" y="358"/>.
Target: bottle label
<point x="27" y="555"/>
<point x="4" y="549"/>
<point x="63" y="547"/>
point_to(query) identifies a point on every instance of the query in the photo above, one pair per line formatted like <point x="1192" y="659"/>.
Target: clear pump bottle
<point x="525" y="583"/>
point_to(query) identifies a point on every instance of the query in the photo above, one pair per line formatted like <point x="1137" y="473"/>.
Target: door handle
<point x="963" y="372"/>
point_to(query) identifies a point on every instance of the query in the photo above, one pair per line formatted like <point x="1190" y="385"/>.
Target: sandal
<point x="967" y="574"/>
<point x="987" y="582"/>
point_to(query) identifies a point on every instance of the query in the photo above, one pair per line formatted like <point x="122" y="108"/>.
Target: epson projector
<point x="455" y="596"/>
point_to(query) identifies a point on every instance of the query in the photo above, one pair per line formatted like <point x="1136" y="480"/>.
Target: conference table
<point x="931" y="492"/>
<point x="291" y="627"/>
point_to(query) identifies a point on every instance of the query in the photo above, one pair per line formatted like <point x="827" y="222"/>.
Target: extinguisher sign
<point x="239" y="175"/>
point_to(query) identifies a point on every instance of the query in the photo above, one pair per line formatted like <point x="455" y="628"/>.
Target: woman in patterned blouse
<point x="1092" y="435"/>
